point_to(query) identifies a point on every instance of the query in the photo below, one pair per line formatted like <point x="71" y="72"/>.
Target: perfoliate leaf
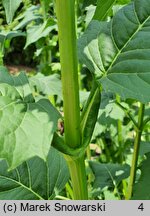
<point x="118" y="52"/>
<point x="27" y="127"/>
<point x="108" y="175"/>
<point x="10" y="8"/>
<point x="89" y="115"/>
<point x="102" y="9"/>
<point x="141" y="190"/>
<point x="34" y="179"/>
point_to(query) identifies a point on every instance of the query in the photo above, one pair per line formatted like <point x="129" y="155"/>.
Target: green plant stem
<point x="88" y="154"/>
<point x="120" y="138"/>
<point x="103" y="145"/>
<point x="78" y="177"/>
<point x="1" y="59"/>
<point x="44" y="11"/>
<point x="136" y="151"/>
<point x="46" y="54"/>
<point x="65" y="10"/>
<point x="1" y="54"/>
<point x="120" y="143"/>
<point x="61" y="198"/>
<point x="69" y="190"/>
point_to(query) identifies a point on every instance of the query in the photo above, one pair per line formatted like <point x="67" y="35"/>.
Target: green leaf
<point x="123" y="1"/>
<point x="141" y="190"/>
<point x="36" y="32"/>
<point x="9" y="35"/>
<point x="31" y="14"/>
<point x="109" y="195"/>
<point x="10" y="8"/>
<point x="20" y="83"/>
<point x="113" y="111"/>
<point x="45" y="4"/>
<point x="118" y="52"/>
<point x="108" y="117"/>
<point x="34" y="179"/>
<point x="31" y="125"/>
<point x="83" y="97"/>
<point x="144" y="148"/>
<point x="90" y="11"/>
<point x="86" y="3"/>
<point x="48" y="85"/>
<point x="102" y="9"/>
<point x="108" y="175"/>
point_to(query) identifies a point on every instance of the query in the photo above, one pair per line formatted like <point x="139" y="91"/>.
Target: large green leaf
<point x="118" y="52"/>
<point x="141" y="189"/>
<point x="108" y="175"/>
<point x="102" y="9"/>
<point x="27" y="127"/>
<point x="34" y="179"/>
<point x="10" y="8"/>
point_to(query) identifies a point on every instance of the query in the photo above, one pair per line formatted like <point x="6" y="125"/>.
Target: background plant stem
<point x="65" y="10"/>
<point x="88" y="153"/>
<point x="1" y="54"/>
<point x="120" y="138"/>
<point x="136" y="151"/>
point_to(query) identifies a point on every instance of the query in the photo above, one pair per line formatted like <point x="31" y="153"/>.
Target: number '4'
<point x="141" y="207"/>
